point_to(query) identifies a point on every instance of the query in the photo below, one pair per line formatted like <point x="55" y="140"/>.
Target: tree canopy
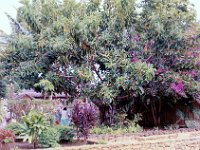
<point x="107" y="50"/>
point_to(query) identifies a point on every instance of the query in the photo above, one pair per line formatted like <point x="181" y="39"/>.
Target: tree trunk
<point x="103" y="119"/>
<point x="159" y="111"/>
<point x="34" y="145"/>
<point x="153" y="114"/>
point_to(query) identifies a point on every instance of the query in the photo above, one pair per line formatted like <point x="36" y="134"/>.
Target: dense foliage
<point x="66" y="133"/>
<point x="15" y="127"/>
<point x="52" y="136"/>
<point x="115" y="52"/>
<point x="2" y="89"/>
<point x="49" y="138"/>
<point x="132" y="128"/>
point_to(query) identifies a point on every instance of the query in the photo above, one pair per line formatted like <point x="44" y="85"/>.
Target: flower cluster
<point x="177" y="87"/>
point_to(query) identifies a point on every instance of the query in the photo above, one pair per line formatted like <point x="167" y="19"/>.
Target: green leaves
<point x="45" y="85"/>
<point x="3" y="89"/>
<point x="2" y="110"/>
<point x="33" y="125"/>
<point x="166" y="20"/>
<point x="68" y="40"/>
<point x="145" y="72"/>
<point x="107" y="93"/>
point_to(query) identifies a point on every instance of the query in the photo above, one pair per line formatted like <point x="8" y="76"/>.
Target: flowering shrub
<point x="84" y="117"/>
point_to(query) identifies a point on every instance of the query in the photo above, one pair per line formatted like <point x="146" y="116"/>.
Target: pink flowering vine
<point x="177" y="87"/>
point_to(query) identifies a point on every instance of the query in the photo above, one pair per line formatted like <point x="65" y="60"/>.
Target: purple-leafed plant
<point x="84" y="116"/>
<point x="7" y="139"/>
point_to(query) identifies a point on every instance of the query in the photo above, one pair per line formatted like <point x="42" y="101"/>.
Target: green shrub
<point x="116" y="130"/>
<point x="66" y="133"/>
<point x="49" y="138"/>
<point x="133" y="127"/>
<point x="15" y="127"/>
<point x="102" y="130"/>
<point x="33" y="125"/>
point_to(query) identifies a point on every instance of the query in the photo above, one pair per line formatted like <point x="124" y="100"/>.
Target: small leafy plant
<point x="66" y="133"/>
<point x="49" y="138"/>
<point x="34" y="124"/>
<point x="15" y="127"/>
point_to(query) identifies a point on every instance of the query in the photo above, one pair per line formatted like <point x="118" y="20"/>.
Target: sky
<point x="10" y="6"/>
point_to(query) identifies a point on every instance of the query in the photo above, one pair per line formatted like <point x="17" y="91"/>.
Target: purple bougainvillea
<point x="177" y="87"/>
<point x="158" y="71"/>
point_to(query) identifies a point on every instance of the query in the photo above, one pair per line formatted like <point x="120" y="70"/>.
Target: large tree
<point x="110" y="51"/>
